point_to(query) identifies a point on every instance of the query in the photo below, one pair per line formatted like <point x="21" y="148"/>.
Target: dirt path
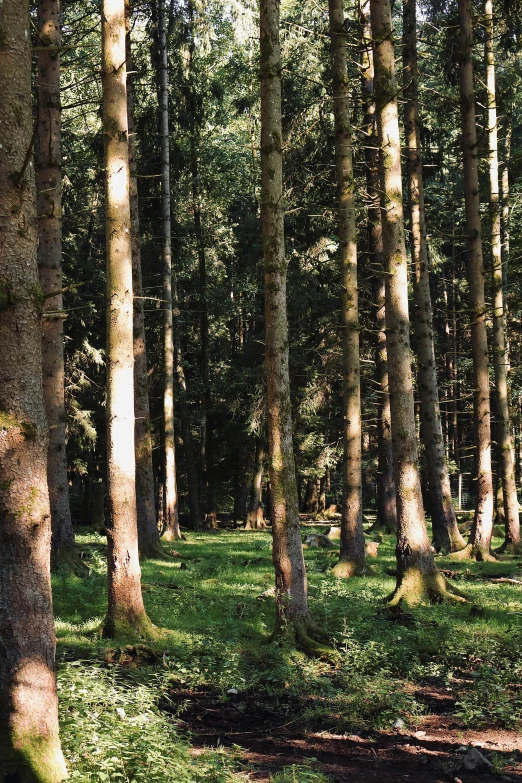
<point x="433" y="752"/>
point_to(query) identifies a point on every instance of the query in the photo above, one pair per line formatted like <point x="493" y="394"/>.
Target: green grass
<point x="220" y="622"/>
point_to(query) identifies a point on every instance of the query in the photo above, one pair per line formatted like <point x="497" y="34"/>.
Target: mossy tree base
<point x="137" y="628"/>
<point x="414" y="586"/>
<point x="70" y="561"/>
<point x="471" y="552"/>
<point x="345" y="569"/>
<point x="303" y="634"/>
<point x="170" y="535"/>
<point x="32" y="760"/>
<point x="155" y="552"/>
<point x="509" y="548"/>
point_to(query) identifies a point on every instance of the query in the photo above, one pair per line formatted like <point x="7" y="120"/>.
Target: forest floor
<point x="404" y="695"/>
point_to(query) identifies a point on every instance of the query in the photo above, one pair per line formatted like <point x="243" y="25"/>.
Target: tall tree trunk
<point x="49" y="208"/>
<point x="445" y="531"/>
<point x="148" y="534"/>
<point x="480" y="539"/>
<point x="417" y="575"/>
<point x="506" y="457"/>
<point x="126" y="613"/>
<point x="188" y="443"/>
<point x="172" y="531"/>
<point x="386" y="499"/>
<point x="352" y="553"/>
<point x="310" y="498"/>
<point x="287" y="550"/>
<point x="254" y="519"/>
<point x="29" y="741"/>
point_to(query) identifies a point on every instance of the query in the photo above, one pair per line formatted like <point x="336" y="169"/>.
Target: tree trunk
<point x="310" y="500"/>
<point x="126" y="613"/>
<point x="172" y="531"/>
<point x="287" y="550"/>
<point x="148" y="534"/>
<point x="445" y="531"/>
<point x="49" y="208"/>
<point x="29" y="742"/>
<point x="506" y="457"/>
<point x="480" y="539"/>
<point x="188" y="443"/>
<point x="254" y="518"/>
<point x="352" y="552"/>
<point x="417" y="575"/>
<point x="386" y="499"/>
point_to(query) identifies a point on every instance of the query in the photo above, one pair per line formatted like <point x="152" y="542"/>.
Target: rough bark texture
<point x="506" y="456"/>
<point x="480" y="539"/>
<point x="254" y="518"/>
<point x="171" y="527"/>
<point x="445" y="531"/>
<point x="126" y="613"/>
<point x="287" y="550"/>
<point x="148" y="534"/>
<point x="29" y="743"/>
<point x="417" y="575"/>
<point x="49" y="208"/>
<point x="352" y="553"/>
<point x="386" y="499"/>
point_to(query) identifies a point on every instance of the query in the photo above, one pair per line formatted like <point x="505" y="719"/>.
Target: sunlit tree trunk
<point x="172" y="531"/>
<point x="352" y="554"/>
<point x="445" y="531"/>
<point x="254" y="518"/>
<point x="29" y="742"/>
<point x="506" y="456"/>
<point x="386" y="500"/>
<point x="417" y="575"/>
<point x="126" y="613"/>
<point x="287" y="551"/>
<point x="148" y="534"/>
<point x="49" y="207"/>
<point x="480" y="539"/>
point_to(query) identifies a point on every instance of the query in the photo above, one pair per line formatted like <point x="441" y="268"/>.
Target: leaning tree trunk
<point x="172" y="530"/>
<point x="49" y="207"/>
<point x="417" y="575"/>
<point x="352" y="553"/>
<point x="287" y="550"/>
<point x="480" y="539"/>
<point x="506" y="455"/>
<point x="126" y="613"/>
<point x="386" y="499"/>
<point x="446" y="534"/>
<point x="148" y="533"/>
<point x="29" y="742"/>
<point x="254" y="518"/>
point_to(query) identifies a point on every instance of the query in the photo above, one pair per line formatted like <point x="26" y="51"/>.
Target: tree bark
<point x="172" y="530"/>
<point x="352" y="552"/>
<point x="126" y="613"/>
<point x="254" y="518"/>
<point x="446" y="534"/>
<point x="506" y="456"/>
<point x="29" y="742"/>
<point x="386" y="498"/>
<point x="287" y="550"/>
<point x="49" y="208"/>
<point x="148" y="534"/>
<point x="480" y="538"/>
<point x="417" y="575"/>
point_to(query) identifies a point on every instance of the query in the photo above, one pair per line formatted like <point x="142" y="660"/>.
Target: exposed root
<point x="345" y="569"/>
<point x="70" y="561"/>
<point x="509" y="548"/>
<point x="303" y="634"/>
<point x="415" y="586"/>
<point x="470" y="552"/>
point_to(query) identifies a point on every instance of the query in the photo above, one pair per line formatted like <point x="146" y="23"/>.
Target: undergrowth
<point x="116" y="720"/>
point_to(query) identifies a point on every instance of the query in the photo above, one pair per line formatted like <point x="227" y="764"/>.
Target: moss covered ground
<point x="127" y="711"/>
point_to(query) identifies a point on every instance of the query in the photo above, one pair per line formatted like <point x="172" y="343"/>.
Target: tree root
<point x="414" y="586"/>
<point x="345" y="569"/>
<point x="470" y="552"/>
<point x="303" y="634"/>
<point x="69" y="560"/>
<point x="509" y="548"/>
<point x="141" y="629"/>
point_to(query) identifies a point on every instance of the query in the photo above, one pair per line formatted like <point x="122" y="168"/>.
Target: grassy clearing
<point x="118" y="722"/>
